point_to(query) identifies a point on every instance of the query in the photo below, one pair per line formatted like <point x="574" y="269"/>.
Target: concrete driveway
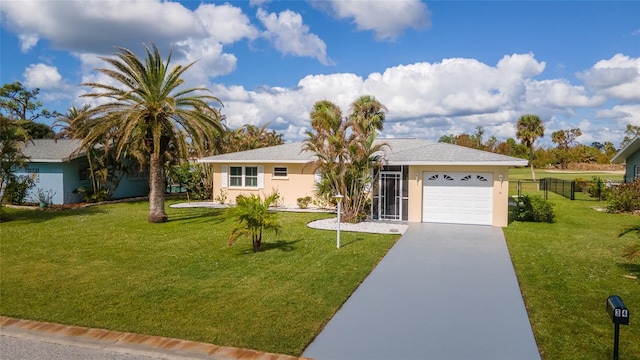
<point x="442" y="292"/>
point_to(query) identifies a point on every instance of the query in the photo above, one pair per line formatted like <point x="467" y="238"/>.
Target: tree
<point x="254" y="217"/>
<point x="565" y="139"/>
<point x="528" y="129"/>
<point x="150" y="116"/>
<point x="629" y="134"/>
<point x="18" y="103"/>
<point x="12" y="139"/>
<point x="346" y="152"/>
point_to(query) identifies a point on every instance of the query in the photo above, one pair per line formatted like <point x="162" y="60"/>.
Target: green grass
<point x="524" y="173"/>
<point x="566" y="272"/>
<point x="106" y="267"/>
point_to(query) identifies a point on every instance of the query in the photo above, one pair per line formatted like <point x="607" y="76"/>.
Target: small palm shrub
<point x="253" y="216"/>
<point x="624" y="198"/>
<point x="535" y="208"/>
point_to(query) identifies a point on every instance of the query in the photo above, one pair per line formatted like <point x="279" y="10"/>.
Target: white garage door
<point x="457" y="197"/>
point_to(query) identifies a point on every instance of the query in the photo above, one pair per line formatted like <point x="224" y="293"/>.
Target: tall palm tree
<point x="150" y="116"/>
<point x="528" y="129"/>
<point x="346" y="153"/>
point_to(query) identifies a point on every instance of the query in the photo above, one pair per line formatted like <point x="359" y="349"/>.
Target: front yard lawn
<point x="566" y="272"/>
<point x="106" y="267"/>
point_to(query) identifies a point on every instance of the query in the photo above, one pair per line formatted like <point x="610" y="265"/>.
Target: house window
<point x="637" y="172"/>
<point x="235" y="176"/>
<point x="33" y="173"/>
<point x="280" y="172"/>
<point x="246" y="176"/>
<point x="83" y="173"/>
<point x="251" y="176"/>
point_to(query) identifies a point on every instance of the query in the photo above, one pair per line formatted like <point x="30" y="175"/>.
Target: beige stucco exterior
<point x="299" y="182"/>
<point x="500" y="189"/>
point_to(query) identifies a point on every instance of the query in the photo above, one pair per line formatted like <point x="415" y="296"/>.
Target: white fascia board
<point x="461" y="163"/>
<point x="220" y="161"/>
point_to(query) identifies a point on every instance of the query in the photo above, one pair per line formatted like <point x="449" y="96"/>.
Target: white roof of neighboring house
<point x="52" y="151"/>
<point x="399" y="152"/>
<point x="630" y="148"/>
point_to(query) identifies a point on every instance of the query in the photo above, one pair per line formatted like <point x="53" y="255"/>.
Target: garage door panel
<point x="457" y="197"/>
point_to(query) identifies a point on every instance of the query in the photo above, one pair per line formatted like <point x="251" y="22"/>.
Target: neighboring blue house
<point x="59" y="166"/>
<point x="631" y="154"/>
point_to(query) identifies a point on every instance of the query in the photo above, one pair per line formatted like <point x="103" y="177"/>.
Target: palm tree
<point x="150" y="116"/>
<point x="254" y="217"/>
<point x="346" y="154"/>
<point x="528" y="129"/>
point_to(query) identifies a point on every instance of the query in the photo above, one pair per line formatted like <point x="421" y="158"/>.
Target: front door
<point x="390" y="196"/>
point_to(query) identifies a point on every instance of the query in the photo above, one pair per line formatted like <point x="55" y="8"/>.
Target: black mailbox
<point x="616" y="309"/>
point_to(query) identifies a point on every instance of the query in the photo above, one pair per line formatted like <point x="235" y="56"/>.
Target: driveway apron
<point x="442" y="292"/>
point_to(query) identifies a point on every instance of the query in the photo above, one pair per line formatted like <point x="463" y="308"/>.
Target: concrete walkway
<point x="442" y="292"/>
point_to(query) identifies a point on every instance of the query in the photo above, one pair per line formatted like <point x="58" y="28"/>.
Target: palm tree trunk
<point x="533" y="174"/>
<point x="156" y="191"/>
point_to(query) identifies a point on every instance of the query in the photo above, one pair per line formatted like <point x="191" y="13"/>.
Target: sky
<point x="439" y="67"/>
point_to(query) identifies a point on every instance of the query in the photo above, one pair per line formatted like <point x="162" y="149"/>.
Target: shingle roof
<point x="399" y="152"/>
<point x="630" y="148"/>
<point x="47" y="150"/>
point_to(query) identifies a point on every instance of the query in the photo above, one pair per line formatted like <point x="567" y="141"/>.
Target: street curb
<point x="129" y="342"/>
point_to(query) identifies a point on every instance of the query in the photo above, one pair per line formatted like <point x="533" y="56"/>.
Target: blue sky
<point x="439" y="67"/>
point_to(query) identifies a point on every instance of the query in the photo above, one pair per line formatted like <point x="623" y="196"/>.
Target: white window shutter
<point x="260" y="176"/>
<point x="225" y="177"/>
<point x="317" y="177"/>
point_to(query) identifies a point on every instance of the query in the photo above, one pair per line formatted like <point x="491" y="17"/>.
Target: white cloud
<point x="387" y="19"/>
<point x="225" y="23"/>
<point x="618" y="77"/>
<point x="209" y="57"/>
<point x="27" y="41"/>
<point x="291" y="36"/>
<point x="96" y="26"/>
<point x="42" y="76"/>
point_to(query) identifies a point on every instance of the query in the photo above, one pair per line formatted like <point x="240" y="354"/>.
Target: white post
<point x="339" y="197"/>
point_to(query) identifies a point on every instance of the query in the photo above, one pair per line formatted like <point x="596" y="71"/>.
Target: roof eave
<point x="460" y="163"/>
<point x="222" y="161"/>
<point x="626" y="151"/>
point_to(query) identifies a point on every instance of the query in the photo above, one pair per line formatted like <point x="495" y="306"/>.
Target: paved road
<point x="442" y="292"/>
<point x="12" y="348"/>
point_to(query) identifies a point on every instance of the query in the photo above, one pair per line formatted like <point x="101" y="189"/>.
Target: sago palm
<point x="150" y="115"/>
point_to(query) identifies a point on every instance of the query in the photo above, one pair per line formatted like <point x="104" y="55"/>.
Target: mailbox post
<point x="619" y="315"/>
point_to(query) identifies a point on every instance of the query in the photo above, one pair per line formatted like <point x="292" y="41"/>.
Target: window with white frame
<point x="235" y="176"/>
<point x="251" y="176"/>
<point x="280" y="172"/>
<point x="637" y="172"/>
<point x="243" y="176"/>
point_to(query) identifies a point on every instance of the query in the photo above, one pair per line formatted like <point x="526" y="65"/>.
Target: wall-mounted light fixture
<point x="501" y="178"/>
<point x="417" y="176"/>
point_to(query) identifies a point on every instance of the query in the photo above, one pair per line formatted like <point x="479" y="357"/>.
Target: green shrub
<point x="222" y="198"/>
<point x="596" y="187"/>
<point x="303" y="202"/>
<point x="91" y="196"/>
<point x="624" y="198"/>
<point x="16" y="191"/>
<point x="534" y="208"/>
<point x="582" y="185"/>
